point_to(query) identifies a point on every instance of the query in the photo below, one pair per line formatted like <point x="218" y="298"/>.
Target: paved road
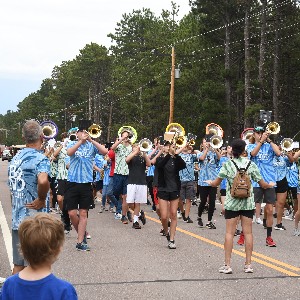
<point x="136" y="264"/>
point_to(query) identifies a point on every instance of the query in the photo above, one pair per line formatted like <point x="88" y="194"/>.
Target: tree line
<point x="236" y="57"/>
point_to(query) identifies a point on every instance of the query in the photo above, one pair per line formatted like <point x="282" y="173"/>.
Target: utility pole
<point x="90" y="106"/>
<point x="171" y="117"/>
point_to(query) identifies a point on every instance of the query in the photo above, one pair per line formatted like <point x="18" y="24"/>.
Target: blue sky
<point x="38" y="35"/>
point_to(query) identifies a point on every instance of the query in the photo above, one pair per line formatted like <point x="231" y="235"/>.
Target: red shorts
<point x="155" y="195"/>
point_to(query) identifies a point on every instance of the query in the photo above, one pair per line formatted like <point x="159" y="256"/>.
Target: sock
<point x="269" y="231"/>
<point x="135" y="218"/>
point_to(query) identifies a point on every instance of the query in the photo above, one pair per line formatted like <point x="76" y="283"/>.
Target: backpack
<point x="241" y="183"/>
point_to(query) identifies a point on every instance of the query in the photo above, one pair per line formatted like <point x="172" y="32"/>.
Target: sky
<point x="36" y="35"/>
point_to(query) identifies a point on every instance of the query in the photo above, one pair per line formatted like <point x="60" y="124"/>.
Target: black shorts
<point x="98" y="185"/>
<point x="281" y="186"/>
<point x="223" y="192"/>
<point x="78" y="195"/>
<point x="230" y="214"/>
<point x="61" y="186"/>
<point x="293" y="191"/>
<point x="168" y="196"/>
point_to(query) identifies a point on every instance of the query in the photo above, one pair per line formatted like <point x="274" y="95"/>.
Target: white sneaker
<point x="118" y="216"/>
<point x="296" y="232"/>
<point x="258" y="221"/>
<point x="171" y="245"/>
<point x="225" y="269"/>
<point x="2" y="280"/>
<point x="179" y="216"/>
<point x="248" y="269"/>
<point x="112" y="210"/>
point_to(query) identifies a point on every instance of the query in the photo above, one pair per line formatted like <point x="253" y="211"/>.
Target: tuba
<point x="273" y="128"/>
<point x="145" y="145"/>
<point x="132" y="133"/>
<point x="214" y="129"/>
<point x="94" y="131"/>
<point x="50" y="130"/>
<point x="216" y="141"/>
<point x="287" y="144"/>
<point x="246" y="134"/>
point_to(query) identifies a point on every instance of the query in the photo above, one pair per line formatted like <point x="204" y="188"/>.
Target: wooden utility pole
<point x="171" y="117"/>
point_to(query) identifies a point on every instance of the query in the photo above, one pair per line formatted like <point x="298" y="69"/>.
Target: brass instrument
<point x="173" y="132"/>
<point x="132" y="133"/>
<point x="287" y="144"/>
<point x="145" y="145"/>
<point x="246" y="134"/>
<point x="214" y="129"/>
<point x="180" y="141"/>
<point x="94" y="131"/>
<point x="191" y="139"/>
<point x="273" y="128"/>
<point x="216" y="141"/>
<point x="57" y="144"/>
<point x="50" y="130"/>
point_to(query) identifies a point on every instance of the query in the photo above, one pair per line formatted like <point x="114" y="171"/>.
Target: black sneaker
<point x="275" y="215"/>
<point x="183" y="217"/>
<point x="237" y="232"/>
<point x="279" y="227"/>
<point x="129" y="216"/>
<point x="142" y="217"/>
<point x="210" y="225"/>
<point x="136" y="225"/>
<point x="168" y="237"/>
<point x="188" y="220"/>
<point x="82" y="247"/>
<point x="162" y="232"/>
<point x="200" y="223"/>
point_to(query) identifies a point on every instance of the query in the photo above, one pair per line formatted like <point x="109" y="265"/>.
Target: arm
<point x="99" y="147"/>
<point x="290" y="157"/>
<point x="147" y="159"/>
<point x="218" y="153"/>
<point x="296" y="155"/>
<point x="132" y="155"/>
<point x="43" y="188"/>
<point x="203" y="156"/>
<point x="275" y="148"/>
<point x="153" y="151"/>
<point x="116" y="144"/>
<point x="180" y="162"/>
<point x="71" y="151"/>
<point x="97" y="169"/>
<point x="57" y="151"/>
<point x="160" y="164"/>
<point x="153" y="160"/>
<point x="214" y="183"/>
<point x="266" y="185"/>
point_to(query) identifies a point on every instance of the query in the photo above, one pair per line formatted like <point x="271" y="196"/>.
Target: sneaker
<point x="136" y="225"/>
<point x="67" y="231"/>
<point x="275" y="215"/>
<point x="106" y="208"/>
<point x="2" y="280"/>
<point x="188" y="220"/>
<point x="88" y="236"/>
<point x="162" y="232"/>
<point x="241" y="240"/>
<point x="171" y="245"/>
<point x="258" y="221"/>
<point x="112" y="210"/>
<point x="129" y="216"/>
<point x="101" y="209"/>
<point x="270" y="242"/>
<point x="82" y="247"/>
<point x="210" y="225"/>
<point x="200" y="223"/>
<point x="296" y="232"/>
<point x="225" y="270"/>
<point x="168" y="236"/>
<point x="118" y="216"/>
<point x="124" y="220"/>
<point x="248" y="269"/>
<point x="279" y="227"/>
<point x="183" y="217"/>
<point x="142" y="217"/>
<point x="237" y="232"/>
<point x="179" y="215"/>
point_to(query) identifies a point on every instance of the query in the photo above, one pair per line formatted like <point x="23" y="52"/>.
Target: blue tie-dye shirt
<point x="222" y="161"/>
<point x="81" y="163"/>
<point x="99" y="162"/>
<point x="208" y="168"/>
<point x="23" y="173"/>
<point x="279" y="163"/>
<point x="292" y="174"/>
<point x="188" y="174"/>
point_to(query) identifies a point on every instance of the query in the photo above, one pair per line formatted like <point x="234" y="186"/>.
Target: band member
<point x="169" y="189"/>
<point x="60" y="155"/>
<point x="297" y="213"/>
<point x="122" y="149"/>
<point x="262" y="154"/>
<point x="29" y="185"/>
<point x="187" y="190"/>
<point x="237" y="207"/>
<point x="208" y="161"/>
<point x="137" y="185"/>
<point x="80" y="177"/>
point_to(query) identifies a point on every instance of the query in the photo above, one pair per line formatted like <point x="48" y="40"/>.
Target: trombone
<point x="273" y="128"/>
<point x="216" y="142"/>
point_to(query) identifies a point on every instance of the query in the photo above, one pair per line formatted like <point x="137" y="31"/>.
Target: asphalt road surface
<point x="125" y="263"/>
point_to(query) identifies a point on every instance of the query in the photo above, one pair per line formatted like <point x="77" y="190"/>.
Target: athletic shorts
<point x="78" y="195"/>
<point x="18" y="259"/>
<point x="264" y="195"/>
<point x="187" y="190"/>
<point x="155" y="198"/>
<point x="223" y="192"/>
<point x="136" y="193"/>
<point x="230" y="214"/>
<point x="168" y="196"/>
<point x="281" y="186"/>
<point x="98" y="185"/>
<point x="293" y="192"/>
<point x="61" y="186"/>
<point x="120" y="184"/>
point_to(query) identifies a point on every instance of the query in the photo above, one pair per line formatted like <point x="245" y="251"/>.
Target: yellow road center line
<point x="279" y="269"/>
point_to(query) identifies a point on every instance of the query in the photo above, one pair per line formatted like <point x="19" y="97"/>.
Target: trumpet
<point x="191" y="139"/>
<point x="181" y="141"/>
<point x="94" y="131"/>
<point x="216" y="142"/>
<point x="132" y="136"/>
<point x="273" y="128"/>
<point x="214" y="129"/>
<point x="145" y="145"/>
<point x="287" y="144"/>
<point x="50" y="130"/>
